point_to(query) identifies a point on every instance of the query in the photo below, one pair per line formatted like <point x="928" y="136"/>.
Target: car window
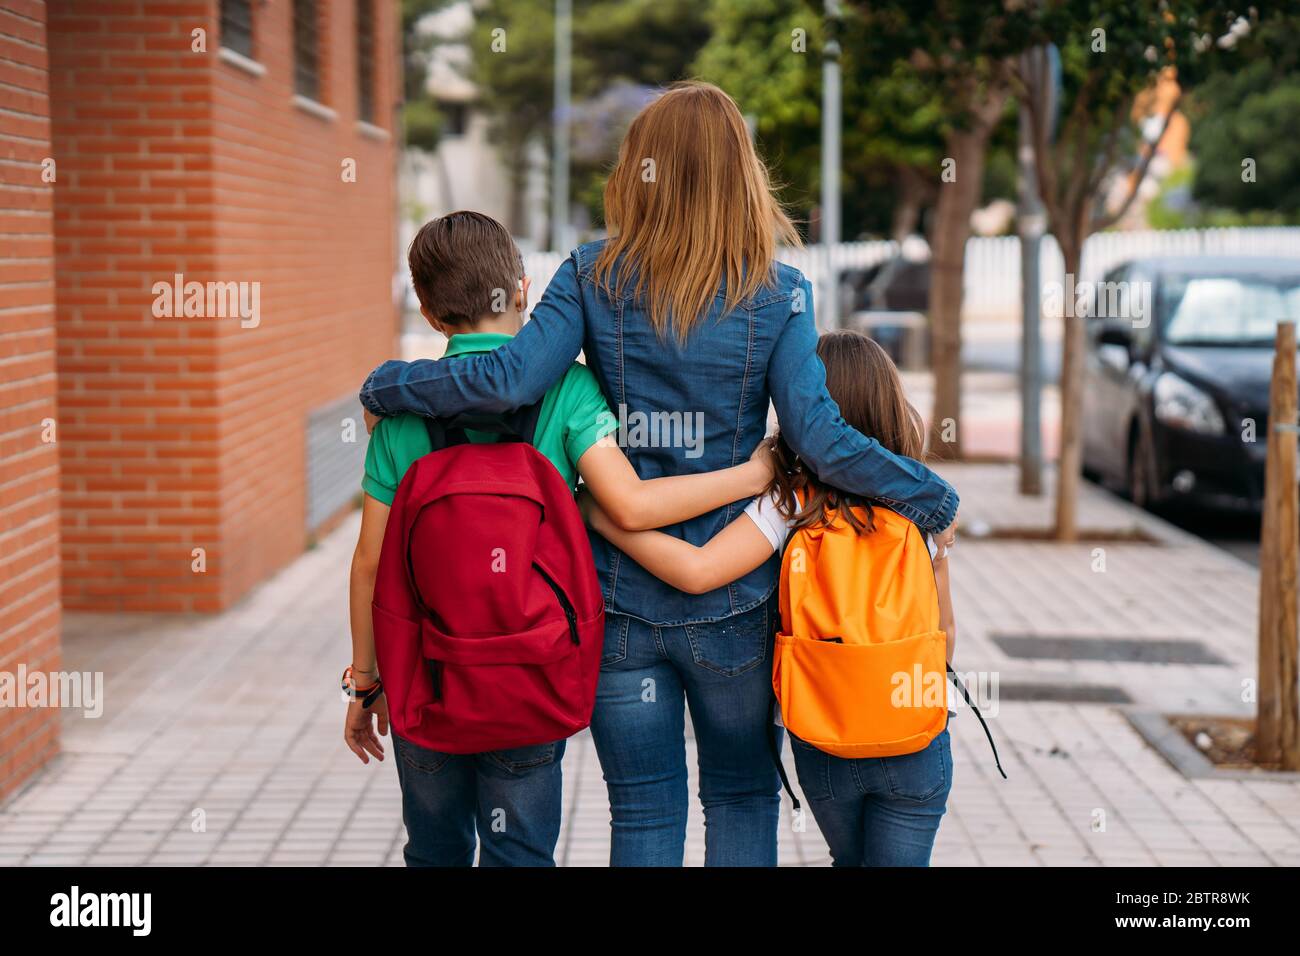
<point x="1227" y="310"/>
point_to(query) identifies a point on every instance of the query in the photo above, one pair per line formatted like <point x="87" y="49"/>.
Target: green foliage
<point x="1112" y="52"/>
<point x="892" y="116"/>
<point x="1250" y="114"/>
<point x="420" y="120"/>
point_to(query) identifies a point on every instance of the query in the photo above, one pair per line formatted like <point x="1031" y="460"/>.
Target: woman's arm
<point x="947" y="622"/>
<point x="839" y="454"/>
<point x="631" y="504"/>
<point x="730" y="554"/>
<point x="518" y="373"/>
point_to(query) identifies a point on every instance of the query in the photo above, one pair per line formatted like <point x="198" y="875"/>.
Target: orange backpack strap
<point x="775" y="748"/>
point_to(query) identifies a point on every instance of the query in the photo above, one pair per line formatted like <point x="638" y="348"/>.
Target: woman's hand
<point x="762" y="464"/>
<point x="359" y="728"/>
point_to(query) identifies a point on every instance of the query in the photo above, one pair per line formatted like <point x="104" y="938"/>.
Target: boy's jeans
<point x="877" y="811"/>
<point x="723" y="671"/>
<point x="512" y="798"/>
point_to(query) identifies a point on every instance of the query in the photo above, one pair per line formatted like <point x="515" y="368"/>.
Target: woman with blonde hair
<point x="692" y="328"/>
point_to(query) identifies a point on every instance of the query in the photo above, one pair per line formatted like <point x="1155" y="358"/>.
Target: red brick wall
<point x="29" y="462"/>
<point x="323" y="251"/>
<point x="184" y="433"/>
<point x="131" y="107"/>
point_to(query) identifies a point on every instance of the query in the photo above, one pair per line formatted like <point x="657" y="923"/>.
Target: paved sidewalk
<point x="234" y="722"/>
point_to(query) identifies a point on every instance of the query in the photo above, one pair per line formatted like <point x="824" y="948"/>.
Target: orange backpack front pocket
<point x="862" y="700"/>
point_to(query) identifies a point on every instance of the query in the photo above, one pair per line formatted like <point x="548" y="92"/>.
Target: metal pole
<point x="560" y="126"/>
<point x="1031" y="225"/>
<point x="830" y="211"/>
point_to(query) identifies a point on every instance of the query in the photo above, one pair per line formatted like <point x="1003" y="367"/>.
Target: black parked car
<point x="1175" y="403"/>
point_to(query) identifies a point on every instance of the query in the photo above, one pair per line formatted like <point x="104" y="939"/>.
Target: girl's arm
<point x="732" y="553"/>
<point x="946" y="620"/>
<point x="630" y="504"/>
<point x="518" y="373"/>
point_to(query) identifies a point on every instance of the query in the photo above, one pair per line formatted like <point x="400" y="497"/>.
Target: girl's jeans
<point x="877" y="811"/>
<point x="649" y="676"/>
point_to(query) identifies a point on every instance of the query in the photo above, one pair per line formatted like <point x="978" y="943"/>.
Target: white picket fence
<point x="992" y="276"/>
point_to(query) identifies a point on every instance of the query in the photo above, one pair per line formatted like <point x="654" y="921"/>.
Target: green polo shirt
<point x="573" y="417"/>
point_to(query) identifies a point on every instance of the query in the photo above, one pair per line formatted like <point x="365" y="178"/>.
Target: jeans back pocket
<point x="921" y="776"/>
<point x="733" y="645"/>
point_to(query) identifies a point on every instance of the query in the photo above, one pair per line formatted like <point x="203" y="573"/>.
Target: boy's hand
<point x="371" y="420"/>
<point x="359" y="729"/>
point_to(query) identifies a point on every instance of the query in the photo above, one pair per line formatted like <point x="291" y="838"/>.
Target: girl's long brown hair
<point x="864" y="382"/>
<point x="689" y="206"/>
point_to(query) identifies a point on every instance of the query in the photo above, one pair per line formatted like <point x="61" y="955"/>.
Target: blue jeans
<point x="649" y="675"/>
<point x="877" y="811"/>
<point x="511" y="797"/>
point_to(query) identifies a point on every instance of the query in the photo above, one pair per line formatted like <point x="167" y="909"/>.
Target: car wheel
<point x="1141" y="468"/>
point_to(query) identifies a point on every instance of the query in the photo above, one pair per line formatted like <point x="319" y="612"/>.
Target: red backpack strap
<point x="519" y="425"/>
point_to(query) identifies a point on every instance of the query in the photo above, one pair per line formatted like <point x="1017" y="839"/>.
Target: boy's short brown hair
<point x="463" y="266"/>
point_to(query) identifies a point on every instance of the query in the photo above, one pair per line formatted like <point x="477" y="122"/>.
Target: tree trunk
<point x="913" y="191"/>
<point x="957" y="200"/>
<point x="1277" y="731"/>
<point x="1069" y="466"/>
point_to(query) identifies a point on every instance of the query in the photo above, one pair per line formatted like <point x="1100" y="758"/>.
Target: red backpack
<point x="488" y="616"/>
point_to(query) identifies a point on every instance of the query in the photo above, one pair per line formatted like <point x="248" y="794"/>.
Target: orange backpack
<point x="860" y="664"/>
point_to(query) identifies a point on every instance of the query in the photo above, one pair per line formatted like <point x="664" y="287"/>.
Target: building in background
<point x="466" y="170"/>
<point x="197" y="213"/>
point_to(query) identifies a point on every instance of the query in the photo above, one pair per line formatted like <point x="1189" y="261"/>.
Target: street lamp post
<point x="830" y="211"/>
<point x="560" y="126"/>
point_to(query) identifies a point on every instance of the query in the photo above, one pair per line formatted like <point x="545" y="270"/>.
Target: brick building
<point x="197" y="229"/>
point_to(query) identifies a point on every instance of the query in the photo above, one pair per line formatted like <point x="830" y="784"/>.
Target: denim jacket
<point x="681" y="410"/>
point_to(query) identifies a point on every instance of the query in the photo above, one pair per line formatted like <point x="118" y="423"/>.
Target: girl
<point x="881" y="811"/>
<point x="693" y="330"/>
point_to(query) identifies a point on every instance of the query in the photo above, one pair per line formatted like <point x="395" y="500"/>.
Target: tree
<point x="1112" y="51"/>
<point x="766" y="54"/>
<point x="962" y="50"/>
<point x="650" y="42"/>
<point x="421" y="122"/>
<point x="1244" y="122"/>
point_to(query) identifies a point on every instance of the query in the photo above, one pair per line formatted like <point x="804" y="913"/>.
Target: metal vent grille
<point x="334" y="464"/>
<point x="1040" y="693"/>
<point x="1123" y="650"/>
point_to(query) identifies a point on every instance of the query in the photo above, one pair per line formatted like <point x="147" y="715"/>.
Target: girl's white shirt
<point x="765" y="513"/>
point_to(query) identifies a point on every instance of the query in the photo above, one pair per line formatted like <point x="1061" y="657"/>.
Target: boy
<point x="468" y="276"/>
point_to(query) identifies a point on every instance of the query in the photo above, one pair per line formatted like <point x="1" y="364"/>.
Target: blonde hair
<point x="689" y="205"/>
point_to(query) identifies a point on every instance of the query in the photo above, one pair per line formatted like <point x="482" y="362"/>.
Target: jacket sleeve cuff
<point x="368" y="399"/>
<point x="943" y="516"/>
